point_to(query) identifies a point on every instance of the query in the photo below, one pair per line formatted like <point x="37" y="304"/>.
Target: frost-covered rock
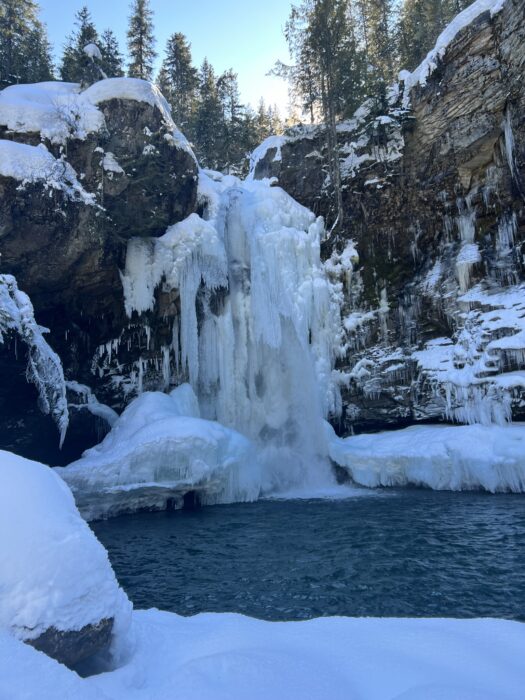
<point x="44" y="368"/>
<point x="441" y="457"/>
<point x="158" y="450"/>
<point x="58" y="590"/>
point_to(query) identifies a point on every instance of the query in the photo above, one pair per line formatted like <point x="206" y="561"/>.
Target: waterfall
<point x="259" y="320"/>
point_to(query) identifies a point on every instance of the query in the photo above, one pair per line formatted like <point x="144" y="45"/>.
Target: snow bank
<point x="441" y="457"/>
<point x="44" y="368"/>
<point x="53" y="571"/>
<point x="429" y="64"/>
<point x="158" y="450"/>
<point x="56" y="111"/>
<point x="230" y="657"/>
<point x="36" y="164"/>
<point x="60" y="111"/>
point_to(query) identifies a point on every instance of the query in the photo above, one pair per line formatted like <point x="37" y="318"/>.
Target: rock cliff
<point x="433" y="187"/>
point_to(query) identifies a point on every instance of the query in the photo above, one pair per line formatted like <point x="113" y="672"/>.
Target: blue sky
<point x="240" y="34"/>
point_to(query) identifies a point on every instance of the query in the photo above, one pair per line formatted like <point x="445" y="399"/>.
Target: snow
<point x="111" y="164"/>
<point x="272" y="142"/>
<point x="30" y="164"/>
<point x="89" y="401"/>
<point x="471" y="370"/>
<point x="93" y="52"/>
<point x="158" y="450"/>
<point x="138" y="91"/>
<point x="231" y="657"/>
<point x="44" y="368"/>
<point x="440" y="457"/>
<point x="57" y="111"/>
<point x="429" y="64"/>
<point x="54" y="572"/>
<point x="61" y="111"/>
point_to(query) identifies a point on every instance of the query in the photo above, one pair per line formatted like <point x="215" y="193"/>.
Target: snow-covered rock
<point x="441" y="457"/>
<point x="44" y="368"/>
<point x="431" y="61"/>
<point x="55" y="577"/>
<point x="230" y="657"/>
<point x="158" y="450"/>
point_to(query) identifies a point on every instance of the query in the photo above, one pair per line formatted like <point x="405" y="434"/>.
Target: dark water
<point x="401" y="553"/>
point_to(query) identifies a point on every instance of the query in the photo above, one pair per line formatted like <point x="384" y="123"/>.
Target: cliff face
<point x="80" y="173"/>
<point x="434" y="205"/>
<point x="429" y="260"/>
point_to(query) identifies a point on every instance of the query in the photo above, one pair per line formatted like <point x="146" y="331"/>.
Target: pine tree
<point x="112" y="61"/>
<point x="178" y="80"/>
<point x="232" y="149"/>
<point x="420" y="23"/>
<point x="25" y="54"/>
<point x="77" y="66"/>
<point x="141" y="40"/>
<point x="209" y="118"/>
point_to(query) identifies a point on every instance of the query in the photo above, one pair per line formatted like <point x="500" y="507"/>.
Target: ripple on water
<point x="414" y="552"/>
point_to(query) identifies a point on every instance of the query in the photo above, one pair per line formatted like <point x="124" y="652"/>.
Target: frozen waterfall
<point x="259" y="321"/>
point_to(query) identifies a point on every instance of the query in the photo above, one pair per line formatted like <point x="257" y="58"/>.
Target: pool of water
<point x="396" y="553"/>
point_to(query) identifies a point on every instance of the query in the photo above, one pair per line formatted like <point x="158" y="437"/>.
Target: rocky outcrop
<point x="115" y="167"/>
<point x="73" y="647"/>
<point x="433" y="188"/>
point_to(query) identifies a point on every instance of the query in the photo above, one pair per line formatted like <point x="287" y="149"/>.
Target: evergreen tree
<point x="209" y="118"/>
<point x="25" y="54"/>
<point x="233" y="148"/>
<point x="178" y="80"/>
<point x="420" y="24"/>
<point x="141" y="40"/>
<point x="112" y="61"/>
<point x="77" y="66"/>
<point x="322" y="40"/>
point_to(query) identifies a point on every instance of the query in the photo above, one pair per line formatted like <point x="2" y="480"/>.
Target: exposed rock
<point x="66" y="249"/>
<point x="72" y="647"/>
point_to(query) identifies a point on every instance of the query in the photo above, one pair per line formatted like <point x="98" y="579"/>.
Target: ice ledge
<point x="440" y="457"/>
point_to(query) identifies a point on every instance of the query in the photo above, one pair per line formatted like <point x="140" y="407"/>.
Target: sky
<point x="245" y="36"/>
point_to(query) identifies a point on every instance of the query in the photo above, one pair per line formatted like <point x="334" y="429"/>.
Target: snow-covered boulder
<point x="157" y="451"/>
<point x="58" y="591"/>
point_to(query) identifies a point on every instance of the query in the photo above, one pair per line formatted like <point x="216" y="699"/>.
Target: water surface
<point x="400" y="553"/>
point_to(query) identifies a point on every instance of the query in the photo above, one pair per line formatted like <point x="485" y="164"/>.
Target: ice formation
<point x="260" y="358"/>
<point x="44" y="368"/>
<point x="157" y="451"/>
<point x="441" y="457"/>
<point x="53" y="571"/>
